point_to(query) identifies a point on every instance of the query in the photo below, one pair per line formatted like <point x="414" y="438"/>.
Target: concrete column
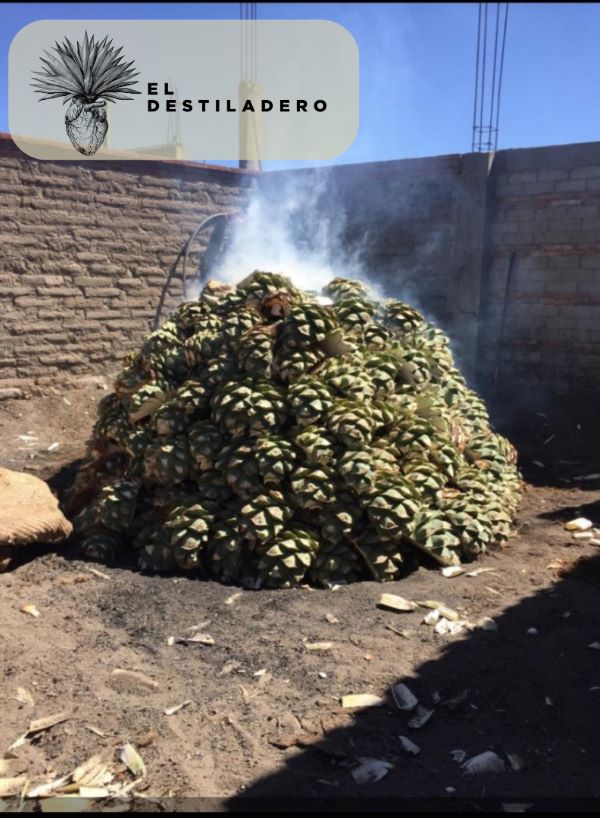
<point x="468" y="256"/>
<point x="250" y="139"/>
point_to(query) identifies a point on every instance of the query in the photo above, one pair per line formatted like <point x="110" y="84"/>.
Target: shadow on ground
<point x="557" y="437"/>
<point x="531" y="697"/>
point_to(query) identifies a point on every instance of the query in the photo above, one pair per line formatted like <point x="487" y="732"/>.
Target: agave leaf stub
<point x="86" y="125"/>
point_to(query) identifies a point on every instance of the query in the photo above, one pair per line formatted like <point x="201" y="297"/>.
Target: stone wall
<point x="85" y="252"/>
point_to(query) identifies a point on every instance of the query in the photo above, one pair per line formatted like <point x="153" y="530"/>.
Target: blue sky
<point x="418" y="68"/>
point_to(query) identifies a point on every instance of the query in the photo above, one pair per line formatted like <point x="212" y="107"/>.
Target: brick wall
<point x="545" y="210"/>
<point x="85" y="249"/>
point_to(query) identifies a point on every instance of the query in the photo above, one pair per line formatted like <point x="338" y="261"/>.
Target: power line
<point x="485" y="137"/>
<point x="248" y="41"/>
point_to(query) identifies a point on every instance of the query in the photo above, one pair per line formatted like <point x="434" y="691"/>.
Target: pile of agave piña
<point x="269" y="437"/>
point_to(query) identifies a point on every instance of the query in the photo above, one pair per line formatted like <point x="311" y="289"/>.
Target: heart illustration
<point x="86" y="125"/>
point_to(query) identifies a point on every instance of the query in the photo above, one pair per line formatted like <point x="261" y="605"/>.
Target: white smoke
<point x="284" y="230"/>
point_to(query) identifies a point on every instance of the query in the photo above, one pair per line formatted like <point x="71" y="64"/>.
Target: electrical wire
<point x="485" y="137"/>
<point x="476" y="78"/>
<point x="500" y="77"/>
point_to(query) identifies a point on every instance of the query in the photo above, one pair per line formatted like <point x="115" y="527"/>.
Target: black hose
<point x="184" y="252"/>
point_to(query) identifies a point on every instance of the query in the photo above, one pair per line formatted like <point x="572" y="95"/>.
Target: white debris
<point x="579" y="524"/>
<point x="170" y="711"/>
<point x="370" y="770"/>
<point x="442" y="627"/>
<point x="532" y="631"/>
<point x="478" y="571"/>
<point x="404" y="698"/>
<point x="455" y="627"/>
<point x="53" y="447"/>
<point x="421" y="717"/>
<point x="231" y="599"/>
<point x="486" y="623"/>
<point x="515" y="761"/>
<point x="583" y="535"/>
<point x="452" y="571"/>
<point x="409" y="746"/>
<point x="458" y="756"/>
<point x="487" y="762"/>
<point x="432" y="617"/>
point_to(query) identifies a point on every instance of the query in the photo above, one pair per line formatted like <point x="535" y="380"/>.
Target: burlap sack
<point x="29" y="513"/>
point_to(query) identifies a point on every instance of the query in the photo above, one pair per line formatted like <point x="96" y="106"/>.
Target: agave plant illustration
<point x="88" y="75"/>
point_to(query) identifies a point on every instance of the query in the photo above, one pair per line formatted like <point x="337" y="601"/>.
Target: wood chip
<point x="196" y="639"/>
<point x="48" y="788"/>
<point x="24" y="697"/>
<point x="396" y="603"/>
<point x="98" y="573"/>
<point x="95" y="730"/>
<point x="94" y="772"/>
<point x="405" y="634"/>
<point x="318" y="646"/>
<point x="132" y="760"/>
<point x="94" y="792"/>
<point x="449" y="613"/>
<point x="333" y="620"/>
<point x="478" y="571"/>
<point x="430" y="603"/>
<point x="169" y="711"/>
<point x="361" y="700"/>
<point x="48" y="721"/>
<point x="18" y="742"/>
<point x="136" y="677"/>
<point x="231" y="599"/>
<point x="30" y="609"/>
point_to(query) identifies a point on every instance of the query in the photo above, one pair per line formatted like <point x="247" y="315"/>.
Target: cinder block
<point x="589" y="172"/>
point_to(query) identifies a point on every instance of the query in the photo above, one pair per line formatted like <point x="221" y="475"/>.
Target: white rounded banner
<point x="202" y="90"/>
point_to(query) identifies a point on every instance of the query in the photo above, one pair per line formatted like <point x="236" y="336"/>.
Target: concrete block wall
<point x="545" y="210"/>
<point x="415" y="226"/>
<point x="85" y="250"/>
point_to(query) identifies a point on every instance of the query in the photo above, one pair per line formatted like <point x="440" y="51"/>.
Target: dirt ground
<point x="264" y="725"/>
